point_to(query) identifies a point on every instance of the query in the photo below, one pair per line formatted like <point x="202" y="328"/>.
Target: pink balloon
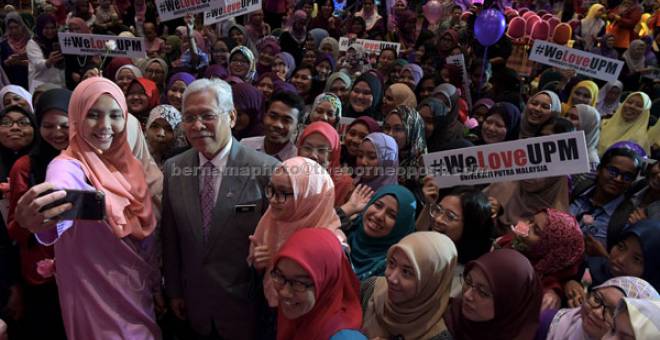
<point x="433" y="11"/>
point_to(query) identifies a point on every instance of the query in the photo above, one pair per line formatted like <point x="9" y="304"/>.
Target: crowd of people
<point x="260" y="180"/>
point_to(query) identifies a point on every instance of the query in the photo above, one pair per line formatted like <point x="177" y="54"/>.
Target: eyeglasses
<point x="6" y="122"/>
<point x="280" y="281"/>
<point x="208" y="117"/>
<point x="468" y="283"/>
<point x="438" y="210"/>
<point x="321" y="151"/>
<point x="596" y="300"/>
<point x="280" y="197"/>
<point x="614" y="172"/>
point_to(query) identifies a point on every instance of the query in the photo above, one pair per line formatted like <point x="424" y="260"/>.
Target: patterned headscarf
<point x="332" y="99"/>
<point x="249" y="77"/>
<point x="644" y="317"/>
<point x="415" y="136"/>
<point x="561" y="246"/>
<point x="167" y="112"/>
<point x="633" y="287"/>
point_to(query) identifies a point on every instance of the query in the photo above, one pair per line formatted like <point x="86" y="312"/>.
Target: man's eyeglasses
<point x="280" y="281"/>
<point x="614" y="172"/>
<point x="209" y="117"/>
<point x="280" y="197"/>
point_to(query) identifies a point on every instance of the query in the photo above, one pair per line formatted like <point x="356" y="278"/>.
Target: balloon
<point x="489" y="27"/>
<point x="433" y="11"/>
<point x="629" y="145"/>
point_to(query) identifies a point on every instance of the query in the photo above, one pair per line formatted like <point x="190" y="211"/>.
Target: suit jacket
<point x="215" y="280"/>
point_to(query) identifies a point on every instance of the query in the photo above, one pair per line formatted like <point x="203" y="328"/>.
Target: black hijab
<point x="447" y="129"/>
<point x="376" y="91"/>
<point x="43" y="152"/>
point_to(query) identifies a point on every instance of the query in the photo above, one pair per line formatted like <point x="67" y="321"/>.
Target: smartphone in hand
<point x="87" y="205"/>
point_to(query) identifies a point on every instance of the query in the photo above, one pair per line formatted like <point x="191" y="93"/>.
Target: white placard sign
<point x="102" y="45"/>
<point x="370" y="46"/>
<point x="232" y="8"/>
<point x="554" y="155"/>
<point x="585" y="63"/>
<point x="172" y="9"/>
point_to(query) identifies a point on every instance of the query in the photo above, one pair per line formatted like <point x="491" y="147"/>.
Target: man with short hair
<point x="213" y="198"/>
<point x="280" y="126"/>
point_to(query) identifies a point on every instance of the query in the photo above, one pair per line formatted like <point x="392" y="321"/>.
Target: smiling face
<point x="616" y="185"/>
<point x="103" y="122"/>
<point x="207" y="136"/>
<point x="280" y="182"/>
<point x="632" y="108"/>
<point x="627" y="258"/>
<point x="539" y="109"/>
<point x="124" y="79"/>
<point x="237" y="36"/>
<point x="493" y="129"/>
<point x="280" y="123"/>
<point x="302" y="80"/>
<point x="325" y="112"/>
<point x="54" y="129"/>
<point x="280" y="68"/>
<point x="155" y="72"/>
<point x="18" y="134"/>
<point x="317" y="148"/>
<point x="175" y="93"/>
<point x="450" y="220"/>
<point x="354" y="137"/>
<point x="581" y="95"/>
<point x="137" y="99"/>
<point x="239" y="65"/>
<point x="380" y="218"/>
<point x="294" y="304"/>
<point x="401" y="278"/>
<point x="220" y="53"/>
<point x="361" y="97"/>
<point x="265" y="86"/>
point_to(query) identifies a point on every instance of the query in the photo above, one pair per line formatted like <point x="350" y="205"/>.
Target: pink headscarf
<point x="313" y="206"/>
<point x="80" y="22"/>
<point x="116" y="171"/>
<point x="561" y="246"/>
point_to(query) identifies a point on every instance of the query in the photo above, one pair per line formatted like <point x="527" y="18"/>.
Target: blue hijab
<point x="368" y="254"/>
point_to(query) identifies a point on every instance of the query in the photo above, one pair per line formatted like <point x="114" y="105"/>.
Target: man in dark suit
<point x="213" y="198"/>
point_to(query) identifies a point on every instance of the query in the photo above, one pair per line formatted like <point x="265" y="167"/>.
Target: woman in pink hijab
<point x="301" y="195"/>
<point x="106" y="269"/>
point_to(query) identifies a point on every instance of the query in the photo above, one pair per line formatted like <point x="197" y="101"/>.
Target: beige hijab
<point x="524" y="198"/>
<point x="434" y="257"/>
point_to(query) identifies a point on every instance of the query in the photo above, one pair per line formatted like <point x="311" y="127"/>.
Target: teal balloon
<point x="489" y="27"/>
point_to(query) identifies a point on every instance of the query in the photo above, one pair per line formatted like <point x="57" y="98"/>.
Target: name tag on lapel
<point x="245" y="208"/>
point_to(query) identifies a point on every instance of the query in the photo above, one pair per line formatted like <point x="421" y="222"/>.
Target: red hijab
<point x="336" y="289"/>
<point x="517" y="296"/>
<point x="343" y="182"/>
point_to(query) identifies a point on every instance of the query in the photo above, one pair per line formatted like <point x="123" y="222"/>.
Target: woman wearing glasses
<point x="595" y="315"/>
<point x="501" y="299"/>
<point x="242" y="64"/>
<point x="410" y="300"/>
<point x="318" y="292"/>
<point x="320" y="143"/>
<point x="388" y="217"/>
<point x="301" y="195"/>
<point x="465" y="217"/>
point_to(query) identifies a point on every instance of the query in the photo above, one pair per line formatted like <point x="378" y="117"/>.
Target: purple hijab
<point x="185" y="77"/>
<point x="290" y="62"/>
<point x="216" y="71"/>
<point x="388" y="161"/>
<point x="248" y="100"/>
